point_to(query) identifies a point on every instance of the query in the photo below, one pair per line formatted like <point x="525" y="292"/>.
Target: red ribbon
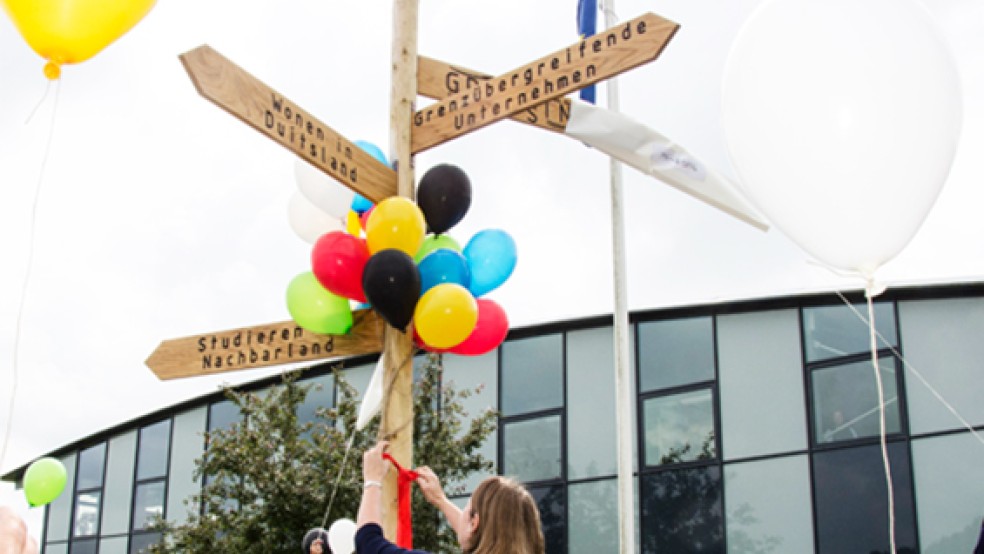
<point x="404" y="525"/>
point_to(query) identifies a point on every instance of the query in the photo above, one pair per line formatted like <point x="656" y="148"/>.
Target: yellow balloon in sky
<point x="398" y="223"/>
<point x="72" y="31"/>
<point x="445" y="315"/>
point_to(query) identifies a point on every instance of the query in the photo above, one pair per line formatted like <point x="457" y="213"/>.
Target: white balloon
<point x="373" y="398"/>
<point x="309" y="222"/>
<point x="323" y="191"/>
<point x="341" y="536"/>
<point x="842" y="119"/>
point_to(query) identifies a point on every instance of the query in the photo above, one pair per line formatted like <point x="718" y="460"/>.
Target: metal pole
<point x="623" y="374"/>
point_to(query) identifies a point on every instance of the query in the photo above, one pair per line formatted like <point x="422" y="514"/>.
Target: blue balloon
<point x="443" y="266"/>
<point x="360" y="204"/>
<point x="374" y="150"/>
<point x="491" y="257"/>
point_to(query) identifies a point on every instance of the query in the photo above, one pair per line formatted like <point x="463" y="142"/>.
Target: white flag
<point x="638" y="146"/>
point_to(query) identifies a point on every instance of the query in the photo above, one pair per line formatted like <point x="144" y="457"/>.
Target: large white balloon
<point x="341" y="536"/>
<point x="308" y="221"/>
<point x="842" y="119"/>
<point x="324" y="192"/>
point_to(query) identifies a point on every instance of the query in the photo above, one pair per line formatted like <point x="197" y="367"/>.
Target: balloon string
<point x="341" y="471"/>
<point x="936" y="394"/>
<point x="28" y="271"/>
<point x="881" y="415"/>
<point x="43" y="97"/>
<point x="348" y="447"/>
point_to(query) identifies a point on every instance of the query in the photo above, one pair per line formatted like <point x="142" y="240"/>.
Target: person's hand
<point x="13" y="534"/>
<point x="430" y="485"/>
<point x="374" y="466"/>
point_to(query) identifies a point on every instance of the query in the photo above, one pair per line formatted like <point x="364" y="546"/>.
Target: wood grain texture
<point x="438" y="80"/>
<point x="233" y="89"/>
<point x="596" y="58"/>
<point x="265" y="345"/>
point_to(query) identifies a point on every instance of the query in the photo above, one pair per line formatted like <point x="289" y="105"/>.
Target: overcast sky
<point x="162" y="216"/>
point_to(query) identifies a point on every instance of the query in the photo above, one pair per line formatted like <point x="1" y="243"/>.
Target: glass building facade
<point x="757" y="429"/>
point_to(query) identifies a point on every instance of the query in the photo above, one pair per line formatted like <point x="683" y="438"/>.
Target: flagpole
<point x="622" y="328"/>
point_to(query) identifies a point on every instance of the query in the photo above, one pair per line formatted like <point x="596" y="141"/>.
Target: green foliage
<point x="269" y="478"/>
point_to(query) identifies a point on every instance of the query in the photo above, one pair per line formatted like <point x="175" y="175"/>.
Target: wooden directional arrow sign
<point x="589" y="61"/>
<point x="239" y="93"/>
<point x="439" y="80"/>
<point x="262" y="346"/>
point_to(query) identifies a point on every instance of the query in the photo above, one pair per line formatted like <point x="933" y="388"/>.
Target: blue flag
<point x="587" y="22"/>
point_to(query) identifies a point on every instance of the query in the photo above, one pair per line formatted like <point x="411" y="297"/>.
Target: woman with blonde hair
<point x="500" y="518"/>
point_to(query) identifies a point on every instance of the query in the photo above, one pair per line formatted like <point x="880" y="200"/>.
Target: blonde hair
<point x="508" y="519"/>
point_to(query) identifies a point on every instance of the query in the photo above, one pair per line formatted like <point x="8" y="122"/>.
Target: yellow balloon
<point x="72" y="31"/>
<point x="352" y="224"/>
<point x="395" y="223"/>
<point x="445" y="315"/>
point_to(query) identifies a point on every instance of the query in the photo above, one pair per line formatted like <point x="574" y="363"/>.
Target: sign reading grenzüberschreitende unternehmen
<point x="593" y="59"/>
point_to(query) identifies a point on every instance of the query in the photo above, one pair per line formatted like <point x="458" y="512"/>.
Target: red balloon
<point x="337" y="261"/>
<point x="365" y="216"/>
<point x="489" y="332"/>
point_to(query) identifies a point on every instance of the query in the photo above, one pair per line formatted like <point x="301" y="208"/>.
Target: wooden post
<point x="397" y="413"/>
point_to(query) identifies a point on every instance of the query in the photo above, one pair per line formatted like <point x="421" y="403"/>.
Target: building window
<point x="682" y="511"/>
<point x="222" y="416"/>
<point x="532" y="403"/>
<point x="681" y="487"/>
<point x="845" y="400"/>
<point x="532" y="448"/>
<point x="837" y="331"/>
<point x="852" y="500"/>
<point x="150" y="485"/>
<point x="679" y="428"/>
<point x="675" y="352"/>
<point x="88" y="498"/>
<point x="532" y="375"/>
<point x="552" y="503"/>
<point x="531" y="427"/>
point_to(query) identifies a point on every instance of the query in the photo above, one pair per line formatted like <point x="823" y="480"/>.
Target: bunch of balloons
<point x="399" y="259"/>
<point x="72" y="31"/>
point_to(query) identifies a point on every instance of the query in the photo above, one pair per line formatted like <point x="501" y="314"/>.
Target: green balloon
<point x="44" y="480"/>
<point x="433" y="242"/>
<point x="317" y="309"/>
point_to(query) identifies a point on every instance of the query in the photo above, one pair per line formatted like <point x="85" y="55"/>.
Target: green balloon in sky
<point x="44" y="480"/>
<point x="317" y="309"/>
<point x="434" y="242"/>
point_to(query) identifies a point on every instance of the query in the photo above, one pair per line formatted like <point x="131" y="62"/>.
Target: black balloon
<point x="391" y="282"/>
<point x="444" y="195"/>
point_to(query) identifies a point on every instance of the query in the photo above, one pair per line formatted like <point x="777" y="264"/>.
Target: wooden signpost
<point x="467" y="101"/>
<point x="262" y="346"/>
<point x="264" y="109"/>
<point x="600" y="57"/>
<point x="437" y="80"/>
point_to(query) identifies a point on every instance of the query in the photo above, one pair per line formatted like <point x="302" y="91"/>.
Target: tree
<point x="269" y="479"/>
